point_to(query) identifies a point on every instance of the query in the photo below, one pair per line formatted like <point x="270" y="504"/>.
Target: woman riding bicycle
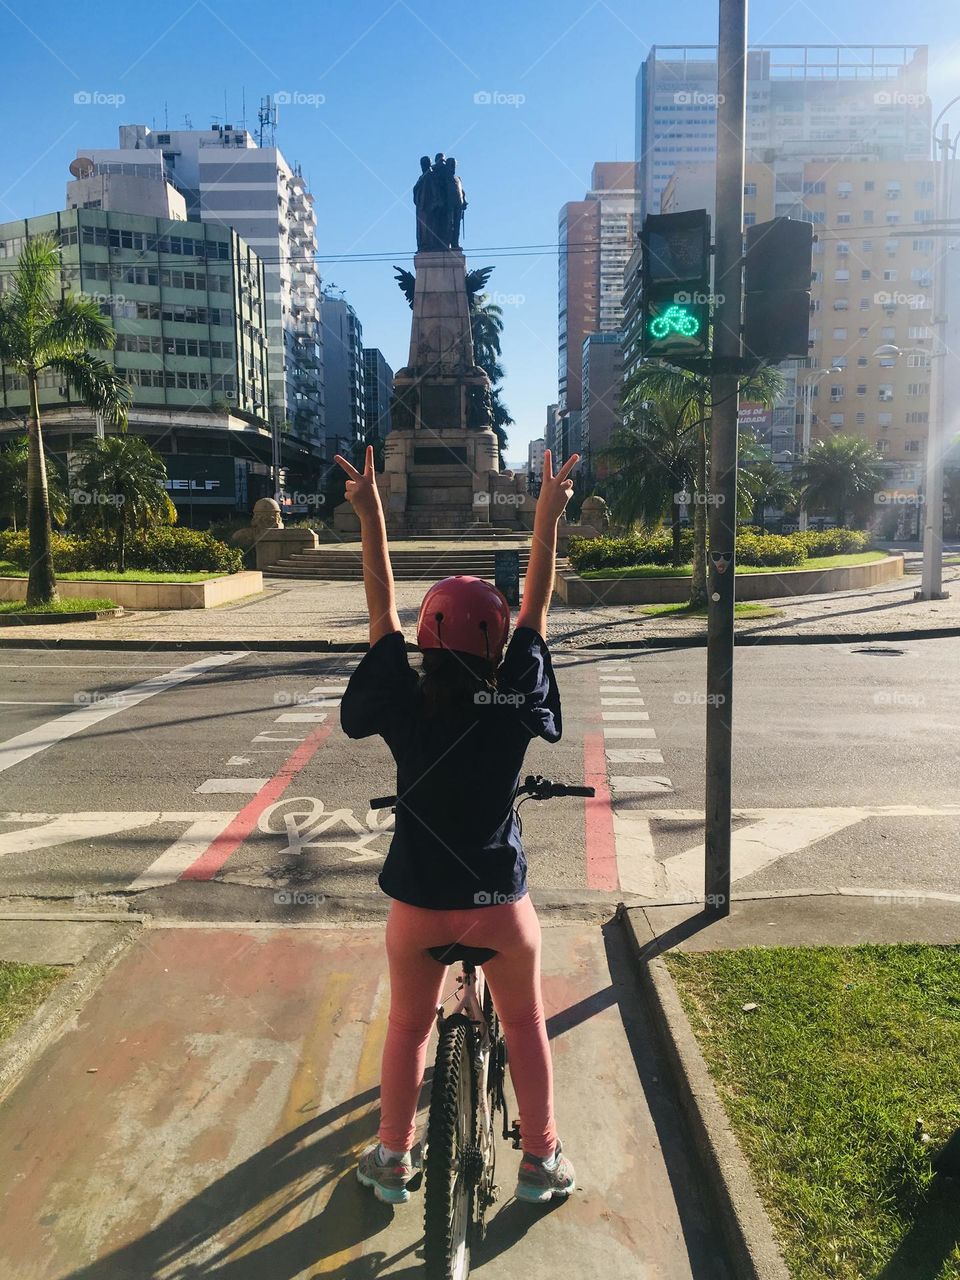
<point x="456" y="870"/>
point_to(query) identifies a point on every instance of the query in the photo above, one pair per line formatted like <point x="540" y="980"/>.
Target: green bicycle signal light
<point x="675" y="319"/>
<point x="675" y="251"/>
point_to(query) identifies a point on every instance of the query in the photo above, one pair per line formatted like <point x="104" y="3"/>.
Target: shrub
<point x="70" y="553"/>
<point x="833" y="542"/>
<point x="635" y="548"/>
<point x="769" y="550"/>
<point x="164" y="550"/>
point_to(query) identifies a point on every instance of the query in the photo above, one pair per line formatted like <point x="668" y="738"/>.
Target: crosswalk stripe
<point x="621" y="702"/>
<point x="625" y="715"/>
<point x="627" y="731"/>
<point x="227" y="786"/>
<point x="645" y="786"/>
<point x="301" y="717"/>
<point x="634" y="755"/>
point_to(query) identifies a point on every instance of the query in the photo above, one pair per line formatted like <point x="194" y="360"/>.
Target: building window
<point x="882" y="445"/>
<point x="840" y="334"/>
<point x="884" y="420"/>
<point x="862" y="389"/>
<point x="885" y="391"/>
<point x="861" y="419"/>
<point x="868" y="216"/>
<point x="865" y="273"/>
<point x="836" y="420"/>
<point x="841" y="274"/>
<point x="749" y="219"/>
<point x="749" y="188"/>
<point x="911" y="446"/>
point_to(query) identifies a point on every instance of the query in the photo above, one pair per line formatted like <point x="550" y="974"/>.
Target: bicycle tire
<point x="451" y="1126"/>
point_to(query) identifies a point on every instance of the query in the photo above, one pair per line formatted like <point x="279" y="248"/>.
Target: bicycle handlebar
<point x="533" y="787"/>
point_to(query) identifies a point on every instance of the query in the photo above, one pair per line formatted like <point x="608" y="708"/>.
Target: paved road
<point x="218" y="785"/>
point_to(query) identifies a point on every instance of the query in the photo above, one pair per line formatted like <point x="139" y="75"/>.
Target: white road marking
<point x="621" y="702"/>
<point x="301" y="717"/>
<point x="625" y="715"/>
<point x="27" y="702"/>
<point x="278" y="737"/>
<point x="624" y="731"/>
<point x="184" y="851"/>
<point x="616" y="676"/>
<point x="334" y="689"/>
<point x="634" y="755"/>
<point x="770" y="834"/>
<point x="28" y="744"/>
<point x="640" y="786"/>
<point x="231" y="786"/>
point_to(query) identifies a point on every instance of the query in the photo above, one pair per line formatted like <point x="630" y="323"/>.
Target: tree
<point x="119" y="488"/>
<point x="40" y="331"/>
<point x="686" y="398"/>
<point x="841" y="474"/>
<point x="14" y="469"/>
<point x="767" y="485"/>
<point x="651" y="462"/>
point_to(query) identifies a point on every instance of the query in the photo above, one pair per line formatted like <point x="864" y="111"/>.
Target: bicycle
<point x="459" y="1157"/>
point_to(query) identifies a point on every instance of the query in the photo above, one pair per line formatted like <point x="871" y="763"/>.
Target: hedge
<point x="768" y="550"/>
<point x="159" y="551"/>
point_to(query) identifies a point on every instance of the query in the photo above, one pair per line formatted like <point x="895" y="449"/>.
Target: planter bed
<point x="772" y="584"/>
<point x="150" y="595"/>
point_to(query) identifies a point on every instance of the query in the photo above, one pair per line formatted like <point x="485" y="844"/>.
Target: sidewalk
<point x="203" y="1114"/>
<point x="316" y="615"/>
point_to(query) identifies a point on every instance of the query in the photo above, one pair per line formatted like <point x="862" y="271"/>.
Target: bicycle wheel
<point x="452" y="1157"/>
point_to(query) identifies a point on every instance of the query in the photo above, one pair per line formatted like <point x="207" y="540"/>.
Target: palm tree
<point x="687" y="396"/>
<point x="121" y="480"/>
<point x="766" y="484"/>
<point x="650" y="461"/>
<point x="14" y="468"/>
<point x="839" y="474"/>
<point x="39" y="331"/>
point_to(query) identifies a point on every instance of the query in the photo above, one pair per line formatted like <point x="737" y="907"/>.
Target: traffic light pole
<point x="727" y="346"/>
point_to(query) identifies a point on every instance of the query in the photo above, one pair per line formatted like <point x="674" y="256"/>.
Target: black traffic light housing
<point x="776" y="290"/>
<point x="675" y="260"/>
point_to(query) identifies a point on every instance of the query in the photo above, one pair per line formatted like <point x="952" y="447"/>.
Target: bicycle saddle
<point x="451" y="952"/>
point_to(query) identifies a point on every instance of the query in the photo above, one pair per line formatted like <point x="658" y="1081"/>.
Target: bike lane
<point x="203" y="1114"/>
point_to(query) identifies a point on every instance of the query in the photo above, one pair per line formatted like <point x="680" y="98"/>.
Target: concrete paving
<point x="311" y="612"/>
<point x="204" y="1115"/>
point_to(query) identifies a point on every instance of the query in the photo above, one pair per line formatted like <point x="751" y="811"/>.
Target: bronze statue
<point x="439" y="201"/>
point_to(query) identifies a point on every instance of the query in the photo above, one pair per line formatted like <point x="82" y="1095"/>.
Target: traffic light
<point x="675" y="259"/>
<point x="776" y="290"/>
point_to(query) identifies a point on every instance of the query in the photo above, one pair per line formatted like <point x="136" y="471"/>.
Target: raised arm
<point x="555" y="493"/>
<point x="377" y="573"/>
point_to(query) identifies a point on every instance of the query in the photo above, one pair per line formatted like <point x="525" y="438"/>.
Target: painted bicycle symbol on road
<point x="303" y="819"/>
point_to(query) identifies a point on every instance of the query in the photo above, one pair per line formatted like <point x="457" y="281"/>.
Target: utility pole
<point x="727" y="348"/>
<point x="931" y="582"/>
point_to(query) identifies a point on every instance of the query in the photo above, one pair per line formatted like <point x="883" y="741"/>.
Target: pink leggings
<point x="416" y="984"/>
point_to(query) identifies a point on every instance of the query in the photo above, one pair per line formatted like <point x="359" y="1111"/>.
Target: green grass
<point x="68" y="604"/>
<point x="23" y="987"/>
<point x="746" y="609"/>
<point x="685" y="570"/>
<point x="9" y="570"/>
<point x="824" y="1083"/>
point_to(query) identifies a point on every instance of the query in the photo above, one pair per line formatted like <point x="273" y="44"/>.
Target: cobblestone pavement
<point x="301" y="610"/>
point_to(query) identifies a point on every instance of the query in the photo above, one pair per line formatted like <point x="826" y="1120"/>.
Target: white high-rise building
<point x="225" y="178"/>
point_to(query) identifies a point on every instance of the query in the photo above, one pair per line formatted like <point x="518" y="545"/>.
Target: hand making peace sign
<point x="555" y="490"/>
<point x="361" y="489"/>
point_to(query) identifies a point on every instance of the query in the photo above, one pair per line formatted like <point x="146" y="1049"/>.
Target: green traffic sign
<point x="675" y="328"/>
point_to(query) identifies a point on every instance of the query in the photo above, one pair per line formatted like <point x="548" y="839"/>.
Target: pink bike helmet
<point x="465" y="614"/>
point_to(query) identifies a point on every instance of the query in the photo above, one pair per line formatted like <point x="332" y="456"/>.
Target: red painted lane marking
<point x="601" y="846"/>
<point x="232" y="837"/>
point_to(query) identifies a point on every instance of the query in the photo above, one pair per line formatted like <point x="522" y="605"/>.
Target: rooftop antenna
<point x="187" y="122"/>
<point x="267" y="115"/>
<point x="226" y="113"/>
<point x="166" y="117"/>
<point x="243" y="109"/>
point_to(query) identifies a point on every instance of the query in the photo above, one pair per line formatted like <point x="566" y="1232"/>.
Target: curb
<point x="747" y="1231"/>
<point x="743" y="640"/>
<point x="66" y="1000"/>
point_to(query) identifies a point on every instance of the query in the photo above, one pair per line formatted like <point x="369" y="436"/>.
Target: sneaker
<point x="538" y="1183"/>
<point x="389" y="1180"/>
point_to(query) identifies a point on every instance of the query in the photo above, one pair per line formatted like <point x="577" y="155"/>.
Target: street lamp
<point x="807" y="387"/>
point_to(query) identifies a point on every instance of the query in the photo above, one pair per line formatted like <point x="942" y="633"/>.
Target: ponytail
<point x="449" y="682"/>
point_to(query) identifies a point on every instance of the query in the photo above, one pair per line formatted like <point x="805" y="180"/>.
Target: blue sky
<point x="398" y="79"/>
